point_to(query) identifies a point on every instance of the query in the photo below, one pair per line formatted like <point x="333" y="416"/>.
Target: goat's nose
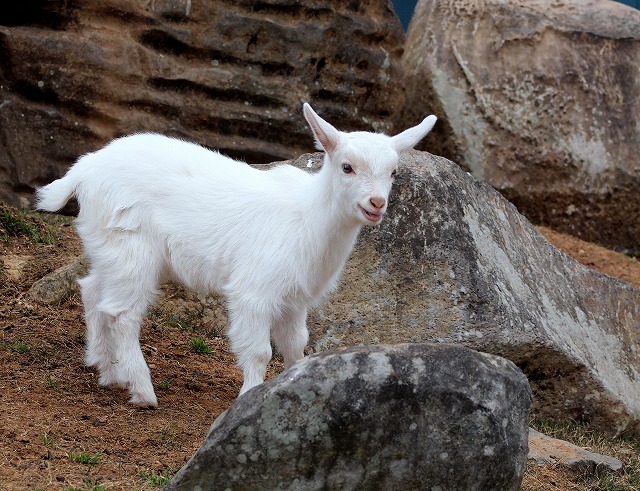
<point x="377" y="201"/>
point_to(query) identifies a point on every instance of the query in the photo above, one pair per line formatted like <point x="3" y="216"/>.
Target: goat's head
<point x="364" y="164"/>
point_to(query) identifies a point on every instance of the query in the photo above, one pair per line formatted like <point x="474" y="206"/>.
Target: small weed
<point x="60" y="220"/>
<point x="166" y="385"/>
<point x="199" y="345"/>
<point x="177" y="322"/>
<point x="20" y="347"/>
<point x="79" y="338"/>
<point x="52" y="383"/>
<point x="47" y="441"/>
<point x="168" y="438"/>
<point x="156" y="479"/>
<point x="93" y="484"/>
<point x="85" y="458"/>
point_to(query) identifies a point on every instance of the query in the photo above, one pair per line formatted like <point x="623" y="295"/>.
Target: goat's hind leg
<point x="125" y="298"/>
<point x="99" y="350"/>
<point x="132" y="369"/>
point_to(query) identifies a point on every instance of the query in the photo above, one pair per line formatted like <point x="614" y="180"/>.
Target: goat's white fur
<point x="274" y="242"/>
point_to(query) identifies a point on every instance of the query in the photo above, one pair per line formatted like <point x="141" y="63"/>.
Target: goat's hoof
<point x="149" y="402"/>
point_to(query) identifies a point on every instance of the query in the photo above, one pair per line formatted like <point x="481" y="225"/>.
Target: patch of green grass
<point x="23" y="223"/>
<point x="93" y="484"/>
<point x="156" y="479"/>
<point x="199" y="345"/>
<point x="90" y="485"/>
<point x="85" y="458"/>
<point x="20" y="347"/>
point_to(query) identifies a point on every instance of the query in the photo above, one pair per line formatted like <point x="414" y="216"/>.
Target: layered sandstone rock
<point x="545" y="449"/>
<point x="541" y="99"/>
<point x="230" y="75"/>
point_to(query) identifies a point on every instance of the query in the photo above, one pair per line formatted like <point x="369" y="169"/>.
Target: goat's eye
<point x="347" y="169"/>
<point x="393" y="174"/>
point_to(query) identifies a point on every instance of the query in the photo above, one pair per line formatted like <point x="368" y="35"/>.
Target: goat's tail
<point x="54" y="196"/>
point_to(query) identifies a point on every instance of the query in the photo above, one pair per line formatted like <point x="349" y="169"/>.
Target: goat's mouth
<point x="370" y="216"/>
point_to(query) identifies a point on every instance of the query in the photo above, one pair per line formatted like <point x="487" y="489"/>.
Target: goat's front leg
<point x="249" y="327"/>
<point x="290" y="334"/>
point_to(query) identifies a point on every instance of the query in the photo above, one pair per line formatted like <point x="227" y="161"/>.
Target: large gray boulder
<point x="453" y="261"/>
<point x="411" y="417"/>
<point x="229" y="75"/>
<point x="541" y="100"/>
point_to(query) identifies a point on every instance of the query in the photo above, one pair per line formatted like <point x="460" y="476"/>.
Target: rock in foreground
<point x="387" y="417"/>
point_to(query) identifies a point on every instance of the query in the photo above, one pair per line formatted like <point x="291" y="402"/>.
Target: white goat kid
<point x="274" y="242"/>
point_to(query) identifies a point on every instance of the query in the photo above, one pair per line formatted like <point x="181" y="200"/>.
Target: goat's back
<point x="167" y="175"/>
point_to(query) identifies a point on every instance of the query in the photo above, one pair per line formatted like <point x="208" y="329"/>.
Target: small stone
<point x="545" y="449"/>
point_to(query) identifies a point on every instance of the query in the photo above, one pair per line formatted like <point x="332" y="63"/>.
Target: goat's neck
<point x="333" y="232"/>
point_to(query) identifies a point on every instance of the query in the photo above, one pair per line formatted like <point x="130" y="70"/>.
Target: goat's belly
<point x="197" y="272"/>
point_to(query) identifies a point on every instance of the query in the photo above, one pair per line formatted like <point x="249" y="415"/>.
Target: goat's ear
<point x="327" y="137"/>
<point x="409" y="138"/>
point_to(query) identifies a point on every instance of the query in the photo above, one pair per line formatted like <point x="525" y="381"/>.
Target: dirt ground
<point x="59" y="430"/>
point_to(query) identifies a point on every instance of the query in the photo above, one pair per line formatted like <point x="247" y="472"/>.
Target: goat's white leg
<point x="131" y="368"/>
<point x="250" y="341"/>
<point x="128" y="288"/>
<point x="99" y="345"/>
<point x="290" y="335"/>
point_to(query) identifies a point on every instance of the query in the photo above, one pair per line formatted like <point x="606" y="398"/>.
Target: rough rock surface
<point x="231" y="75"/>
<point x="419" y="417"/>
<point x="541" y="99"/>
<point x="453" y="261"/>
<point x="59" y="284"/>
<point x="544" y="449"/>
